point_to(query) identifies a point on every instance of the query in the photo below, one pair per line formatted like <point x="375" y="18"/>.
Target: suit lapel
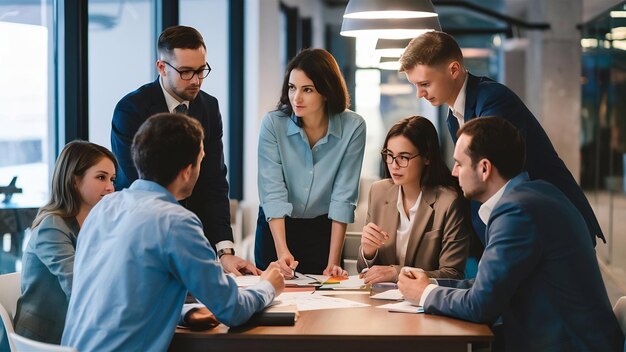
<point x="389" y="223"/>
<point x="422" y="219"/>
<point x="157" y="103"/>
<point x="471" y="93"/>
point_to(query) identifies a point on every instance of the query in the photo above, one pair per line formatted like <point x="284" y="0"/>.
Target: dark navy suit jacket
<point x="209" y="199"/>
<point x="539" y="273"/>
<point x="485" y="97"/>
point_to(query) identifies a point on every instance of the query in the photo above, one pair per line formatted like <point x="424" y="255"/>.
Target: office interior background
<point x="65" y="64"/>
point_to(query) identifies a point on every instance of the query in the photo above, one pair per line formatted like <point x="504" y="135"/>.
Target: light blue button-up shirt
<point x="302" y="182"/>
<point x="138" y="253"/>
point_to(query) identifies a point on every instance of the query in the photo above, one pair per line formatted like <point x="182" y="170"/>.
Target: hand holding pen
<point x="287" y="265"/>
<point x="372" y="239"/>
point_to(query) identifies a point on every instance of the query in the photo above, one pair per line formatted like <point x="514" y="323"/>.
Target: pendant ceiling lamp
<point x="371" y="9"/>
<point x="391" y="47"/>
<point x="389" y="63"/>
<point x="386" y="28"/>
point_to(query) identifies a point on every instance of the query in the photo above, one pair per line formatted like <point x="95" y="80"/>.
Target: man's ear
<point x="186" y="172"/>
<point x="486" y="168"/>
<point x="160" y="65"/>
<point x="454" y="68"/>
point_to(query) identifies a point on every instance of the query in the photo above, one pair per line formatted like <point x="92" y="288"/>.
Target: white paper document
<point x="390" y="295"/>
<point x="307" y="301"/>
<point x="402" y="307"/>
<point x="246" y="280"/>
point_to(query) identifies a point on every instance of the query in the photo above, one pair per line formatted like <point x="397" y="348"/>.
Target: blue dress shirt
<point x="138" y="253"/>
<point x="302" y="182"/>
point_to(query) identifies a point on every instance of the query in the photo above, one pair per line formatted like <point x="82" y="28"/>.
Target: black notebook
<point x="275" y="316"/>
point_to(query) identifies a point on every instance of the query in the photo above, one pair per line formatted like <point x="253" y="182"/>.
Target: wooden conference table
<point x="347" y="329"/>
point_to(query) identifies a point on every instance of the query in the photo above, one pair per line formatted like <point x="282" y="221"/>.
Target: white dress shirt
<point x="458" y="108"/>
<point x="403" y="232"/>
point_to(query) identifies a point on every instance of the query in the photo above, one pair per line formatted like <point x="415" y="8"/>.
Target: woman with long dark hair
<point x="310" y="154"/>
<point x="416" y="215"/>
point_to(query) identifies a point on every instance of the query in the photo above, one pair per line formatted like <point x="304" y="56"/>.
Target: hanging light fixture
<point x="371" y="9"/>
<point x="389" y="63"/>
<point x="391" y="47"/>
<point x="386" y="28"/>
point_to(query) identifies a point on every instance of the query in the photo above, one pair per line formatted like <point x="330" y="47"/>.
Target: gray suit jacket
<point x="48" y="266"/>
<point x="439" y="240"/>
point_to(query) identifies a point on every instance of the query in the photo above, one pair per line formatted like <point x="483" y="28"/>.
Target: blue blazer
<point x="209" y="200"/>
<point x="485" y="97"/>
<point x="47" y="274"/>
<point x="539" y="273"/>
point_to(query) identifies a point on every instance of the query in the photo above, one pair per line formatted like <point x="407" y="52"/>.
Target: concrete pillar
<point x="553" y="71"/>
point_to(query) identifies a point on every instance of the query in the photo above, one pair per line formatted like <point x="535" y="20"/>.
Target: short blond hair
<point x="431" y="49"/>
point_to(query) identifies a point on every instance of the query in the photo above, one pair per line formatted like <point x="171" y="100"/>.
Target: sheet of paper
<point x="307" y="301"/>
<point x="353" y="282"/>
<point x="341" y="293"/>
<point x="402" y="307"/>
<point x="302" y="280"/>
<point x="390" y="295"/>
<point x="246" y="280"/>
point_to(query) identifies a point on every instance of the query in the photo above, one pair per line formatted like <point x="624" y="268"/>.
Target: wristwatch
<point x="224" y="251"/>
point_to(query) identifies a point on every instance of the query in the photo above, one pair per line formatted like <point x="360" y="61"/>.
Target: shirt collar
<point x="171" y="102"/>
<point x="458" y="109"/>
<point x="151" y="186"/>
<point x="484" y="212"/>
<point x="334" y="126"/>
<point x="400" y="204"/>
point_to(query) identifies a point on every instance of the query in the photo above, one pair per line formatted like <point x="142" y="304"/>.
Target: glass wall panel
<point x="26" y="97"/>
<point x="603" y="128"/>
<point x="121" y="58"/>
<point x="26" y="119"/>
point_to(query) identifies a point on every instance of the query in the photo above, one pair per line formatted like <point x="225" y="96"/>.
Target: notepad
<point x="402" y="307"/>
<point x="390" y="295"/>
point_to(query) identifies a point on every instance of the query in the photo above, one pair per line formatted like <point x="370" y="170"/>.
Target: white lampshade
<point x="389" y="63"/>
<point x="391" y="47"/>
<point x="403" y="28"/>
<point x="371" y="9"/>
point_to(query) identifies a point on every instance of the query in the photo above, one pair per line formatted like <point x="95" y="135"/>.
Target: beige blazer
<point x="439" y="241"/>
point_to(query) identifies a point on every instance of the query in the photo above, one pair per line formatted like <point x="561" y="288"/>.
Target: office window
<point x="26" y="97"/>
<point x="121" y="58"/>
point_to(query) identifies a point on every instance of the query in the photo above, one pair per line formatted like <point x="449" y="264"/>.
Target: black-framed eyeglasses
<point x="402" y="159"/>
<point x="187" y="75"/>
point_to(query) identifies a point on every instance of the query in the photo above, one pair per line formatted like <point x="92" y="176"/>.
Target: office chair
<point x="23" y="344"/>
<point x="9" y="293"/>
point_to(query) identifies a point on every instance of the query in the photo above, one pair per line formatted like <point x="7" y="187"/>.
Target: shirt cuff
<point x="426" y="292"/>
<point x="224" y="244"/>
<point x="369" y="262"/>
<point x="267" y="288"/>
<point x="341" y="212"/>
<point x="188" y="308"/>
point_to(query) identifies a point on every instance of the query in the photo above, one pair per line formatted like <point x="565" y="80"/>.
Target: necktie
<point x="181" y="109"/>
<point x="453" y="126"/>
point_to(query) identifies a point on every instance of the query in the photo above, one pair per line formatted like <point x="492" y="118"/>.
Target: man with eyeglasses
<point x="182" y="68"/>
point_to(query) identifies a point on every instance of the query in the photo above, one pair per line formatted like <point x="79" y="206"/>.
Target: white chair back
<point x="620" y="313"/>
<point x="9" y="293"/>
<point x="23" y="344"/>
